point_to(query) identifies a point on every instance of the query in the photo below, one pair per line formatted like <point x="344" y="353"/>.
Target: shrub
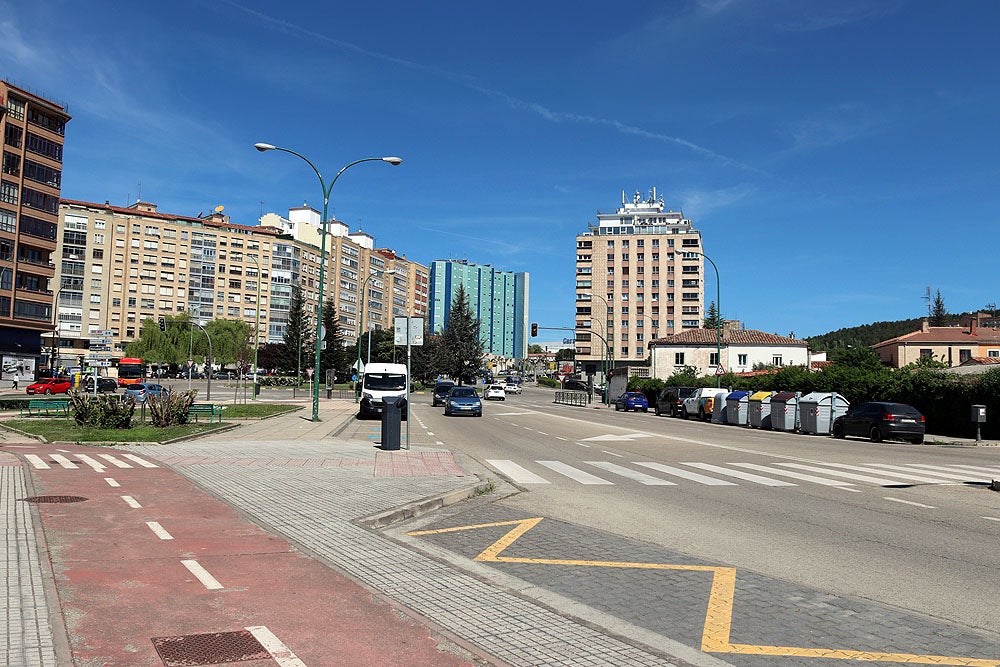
<point x="170" y="409"/>
<point x="102" y="411"/>
<point x="549" y="382"/>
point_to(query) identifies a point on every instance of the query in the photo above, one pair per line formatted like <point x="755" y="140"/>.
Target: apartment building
<point x="30" y="179"/>
<point x="639" y="276"/>
<point x="499" y="299"/>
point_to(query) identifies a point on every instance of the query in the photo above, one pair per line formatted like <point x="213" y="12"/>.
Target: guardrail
<point x="580" y="398"/>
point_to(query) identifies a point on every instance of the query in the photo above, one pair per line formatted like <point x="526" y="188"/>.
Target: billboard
<point x="18" y="367"/>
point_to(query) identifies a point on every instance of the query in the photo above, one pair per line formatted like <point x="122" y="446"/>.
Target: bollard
<point x="979" y="417"/>
<point x="391" y="419"/>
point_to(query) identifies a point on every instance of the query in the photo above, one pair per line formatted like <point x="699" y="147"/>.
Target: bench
<point x="38" y="407"/>
<point x="213" y="411"/>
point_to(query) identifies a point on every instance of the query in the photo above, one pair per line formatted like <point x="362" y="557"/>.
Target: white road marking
<point x="573" y="473"/>
<point x="430" y="433"/>
<point x="159" y="531"/>
<point x="686" y="474"/>
<point x="64" y="462"/>
<point x="281" y="653"/>
<point x="621" y="456"/>
<point x="111" y="481"/>
<point x="738" y="474"/>
<point x="611" y="437"/>
<point x="985" y="470"/>
<point x="793" y="475"/>
<point x="131" y="502"/>
<point x="36" y="461"/>
<point x="517" y="473"/>
<point x="583" y="445"/>
<point x="559" y="438"/>
<point x="910" y="502"/>
<point x="114" y="461"/>
<point x="881" y="481"/>
<point x="93" y="463"/>
<point x="910" y="476"/>
<point x="628" y="473"/>
<point x="953" y="474"/>
<point x="144" y="463"/>
<point x="991" y="518"/>
<point x="207" y="580"/>
<point x="542" y="433"/>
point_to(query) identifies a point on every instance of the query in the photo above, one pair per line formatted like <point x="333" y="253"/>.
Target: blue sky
<point x="838" y="157"/>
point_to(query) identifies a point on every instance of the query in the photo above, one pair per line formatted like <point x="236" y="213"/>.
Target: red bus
<point x="131" y="371"/>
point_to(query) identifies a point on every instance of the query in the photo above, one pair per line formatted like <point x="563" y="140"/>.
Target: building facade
<point x="123" y="265"/>
<point x="951" y="345"/>
<point x="30" y="181"/>
<point x="639" y="276"/>
<point x="738" y="352"/>
<point x="499" y="299"/>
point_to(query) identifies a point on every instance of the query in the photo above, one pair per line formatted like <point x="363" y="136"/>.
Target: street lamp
<point x="718" y="318"/>
<point x="361" y="320"/>
<point x="256" y="329"/>
<point x="609" y="353"/>
<point x="322" y="251"/>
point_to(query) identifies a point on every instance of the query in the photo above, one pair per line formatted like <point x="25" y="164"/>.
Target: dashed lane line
<point x="202" y="575"/>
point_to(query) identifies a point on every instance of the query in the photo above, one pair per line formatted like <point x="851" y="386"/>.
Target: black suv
<point x="670" y="399"/>
<point x="880" y="421"/>
<point x="441" y="390"/>
<point x="104" y="384"/>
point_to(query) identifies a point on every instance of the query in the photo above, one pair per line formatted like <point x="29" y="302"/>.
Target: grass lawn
<point x="69" y="431"/>
<point x="254" y="410"/>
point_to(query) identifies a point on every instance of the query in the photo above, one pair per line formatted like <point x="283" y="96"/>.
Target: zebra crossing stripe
<point x="142" y="462"/>
<point x="987" y="470"/>
<point x="936" y="472"/>
<point x="748" y="476"/>
<point x="911" y="476"/>
<point x="36" y="462"/>
<point x="64" y="462"/>
<point x="794" y="475"/>
<point x="686" y="474"/>
<point x="573" y="473"/>
<point x="628" y="473"/>
<point x="517" y="473"/>
<point x="93" y="463"/>
<point x="881" y="481"/>
<point x="114" y="461"/>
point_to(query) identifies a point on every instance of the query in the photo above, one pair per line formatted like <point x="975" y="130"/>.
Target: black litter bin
<point x="391" y="419"/>
<point x="256" y="389"/>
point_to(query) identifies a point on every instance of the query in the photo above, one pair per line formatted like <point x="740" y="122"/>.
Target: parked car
<point x="463" y="401"/>
<point x="880" y="421"/>
<point x="575" y="385"/>
<point x="440" y="394"/>
<point x="632" y="400"/>
<point x="512" y="388"/>
<point x="50" y="386"/>
<point x="693" y="404"/>
<point x="104" y="384"/>
<point x="144" y="390"/>
<point x="669" y="401"/>
<point x="222" y="375"/>
<point x="496" y="392"/>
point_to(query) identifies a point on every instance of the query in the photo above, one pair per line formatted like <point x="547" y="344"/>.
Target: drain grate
<point x="54" y="499"/>
<point x="209" y="649"/>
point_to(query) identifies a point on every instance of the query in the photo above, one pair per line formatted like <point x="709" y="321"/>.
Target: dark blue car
<point x="632" y="400"/>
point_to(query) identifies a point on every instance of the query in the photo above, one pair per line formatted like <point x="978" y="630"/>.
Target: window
<point x="741" y="359"/>
<point x="964" y="355"/>
<point x="8" y="192"/>
<point x="926" y="353"/>
<point x="713" y="359"/>
<point x="678" y="358"/>
<point x="776" y="360"/>
<point x="993" y="353"/>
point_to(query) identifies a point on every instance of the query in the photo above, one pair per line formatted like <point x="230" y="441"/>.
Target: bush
<point x="549" y="382"/>
<point x="170" y="409"/>
<point x="102" y="411"/>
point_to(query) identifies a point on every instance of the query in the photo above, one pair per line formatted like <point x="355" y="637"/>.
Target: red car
<point x="52" y="386"/>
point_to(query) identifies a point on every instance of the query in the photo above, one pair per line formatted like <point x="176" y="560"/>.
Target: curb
<point x="421" y="507"/>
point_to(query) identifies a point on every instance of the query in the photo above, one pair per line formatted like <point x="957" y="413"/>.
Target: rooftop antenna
<point x="139" y="196"/>
<point x="927" y="298"/>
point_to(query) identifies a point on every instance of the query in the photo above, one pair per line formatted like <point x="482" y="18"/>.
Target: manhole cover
<point x="209" y="649"/>
<point x="54" y="499"/>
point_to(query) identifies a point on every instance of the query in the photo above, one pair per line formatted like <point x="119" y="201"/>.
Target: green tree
<point x="297" y="336"/>
<point x="566" y="354"/>
<point x="535" y="348"/>
<point x="168" y="347"/>
<point x="462" y="349"/>
<point x="335" y="354"/>
<point x="713" y="319"/>
<point x="938" y="314"/>
<point x="425" y="363"/>
<point x="230" y="340"/>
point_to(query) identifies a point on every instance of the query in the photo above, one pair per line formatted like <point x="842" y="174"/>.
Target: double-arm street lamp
<point x="361" y="322"/>
<point x="322" y="251"/>
<point x="718" y="316"/>
<point x="256" y="329"/>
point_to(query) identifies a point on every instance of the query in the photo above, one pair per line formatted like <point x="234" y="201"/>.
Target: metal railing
<point x="579" y="398"/>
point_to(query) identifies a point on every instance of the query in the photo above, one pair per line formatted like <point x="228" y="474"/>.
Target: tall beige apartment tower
<point x="639" y="276"/>
<point x="33" y="131"/>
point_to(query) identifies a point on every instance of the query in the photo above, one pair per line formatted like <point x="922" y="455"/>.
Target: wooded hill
<point x="867" y="335"/>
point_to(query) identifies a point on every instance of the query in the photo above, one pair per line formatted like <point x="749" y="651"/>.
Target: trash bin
<point x="719" y="415"/>
<point x="391" y="421"/>
<point x="256" y="388"/>
<point x="737" y="404"/>
<point x="785" y="411"/>
<point x="759" y="412"/>
<point x="818" y="410"/>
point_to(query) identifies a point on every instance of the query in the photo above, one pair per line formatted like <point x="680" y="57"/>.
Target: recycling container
<point x="818" y="410"/>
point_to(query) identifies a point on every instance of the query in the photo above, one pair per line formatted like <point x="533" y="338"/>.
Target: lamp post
<point x="718" y="319"/>
<point x="256" y="329"/>
<point x="609" y="354"/>
<point x="361" y="322"/>
<point x="322" y="251"/>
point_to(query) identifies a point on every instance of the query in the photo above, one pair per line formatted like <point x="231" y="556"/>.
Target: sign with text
<point x="408" y="330"/>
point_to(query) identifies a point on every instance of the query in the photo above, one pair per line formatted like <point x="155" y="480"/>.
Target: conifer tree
<point x="461" y="347"/>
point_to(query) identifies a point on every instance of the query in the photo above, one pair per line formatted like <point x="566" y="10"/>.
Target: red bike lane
<point x="150" y="570"/>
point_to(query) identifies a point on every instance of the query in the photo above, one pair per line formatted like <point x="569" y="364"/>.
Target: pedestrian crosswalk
<point x="99" y="462"/>
<point x="781" y="473"/>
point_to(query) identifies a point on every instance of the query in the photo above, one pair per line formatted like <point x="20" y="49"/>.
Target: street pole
<point x="322" y="250"/>
<point x="256" y="329"/>
<point x="718" y="318"/>
<point x="361" y="314"/>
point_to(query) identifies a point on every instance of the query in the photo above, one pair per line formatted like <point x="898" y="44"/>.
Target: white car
<point x="512" y="388"/>
<point x="496" y="391"/>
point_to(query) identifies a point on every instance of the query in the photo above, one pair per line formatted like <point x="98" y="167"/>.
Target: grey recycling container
<point x="785" y="411"/>
<point x="737" y="405"/>
<point x="818" y="410"/>
<point x="719" y="415"/>
<point x="759" y="411"/>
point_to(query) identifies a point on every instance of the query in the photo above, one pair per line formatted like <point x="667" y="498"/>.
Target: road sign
<point x="103" y="364"/>
<point x="104" y="333"/>
<point x="719" y="370"/>
<point x="415" y="333"/>
<point x="560" y="377"/>
<point x="190" y="363"/>
<point x="322" y="332"/>
<point x="322" y="345"/>
<point x="309" y="372"/>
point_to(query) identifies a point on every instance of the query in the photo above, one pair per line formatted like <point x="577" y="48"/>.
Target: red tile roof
<point x="981" y="361"/>
<point x="729" y="337"/>
<point x="256" y="229"/>
<point x="958" y="335"/>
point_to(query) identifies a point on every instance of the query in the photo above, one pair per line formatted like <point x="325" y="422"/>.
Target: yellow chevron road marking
<point x="719" y="613"/>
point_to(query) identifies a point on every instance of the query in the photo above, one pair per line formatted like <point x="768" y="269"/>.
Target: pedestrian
<point x="14" y="386"/>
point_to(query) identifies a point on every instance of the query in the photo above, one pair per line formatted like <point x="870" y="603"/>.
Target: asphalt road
<point x="909" y="538"/>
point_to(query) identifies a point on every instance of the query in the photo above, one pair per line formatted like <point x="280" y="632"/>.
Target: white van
<point x="378" y="382"/>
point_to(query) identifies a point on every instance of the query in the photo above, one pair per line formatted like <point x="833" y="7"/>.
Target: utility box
<point x="979" y="414"/>
<point x="737" y="407"/>
<point x="391" y="419"/>
<point x="785" y="411"/>
<point x="759" y="410"/>
<point x="818" y="410"/>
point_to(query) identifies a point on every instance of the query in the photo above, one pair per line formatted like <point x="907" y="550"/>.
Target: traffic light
<point x="163" y="324"/>
<point x="534" y="329"/>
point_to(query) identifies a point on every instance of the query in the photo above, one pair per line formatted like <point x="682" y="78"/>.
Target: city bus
<point x="131" y="371"/>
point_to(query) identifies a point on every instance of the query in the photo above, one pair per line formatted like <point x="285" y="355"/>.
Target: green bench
<point x="38" y="407"/>
<point x="213" y="411"/>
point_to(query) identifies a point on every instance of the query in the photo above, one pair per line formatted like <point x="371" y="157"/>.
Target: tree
<point x="535" y="348"/>
<point x="335" y="355"/>
<point x="462" y="349"/>
<point x="938" y="314"/>
<point x="713" y="319"/>
<point x="230" y="340"/>
<point x="425" y="359"/>
<point x="297" y="336"/>
<point x="566" y="354"/>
